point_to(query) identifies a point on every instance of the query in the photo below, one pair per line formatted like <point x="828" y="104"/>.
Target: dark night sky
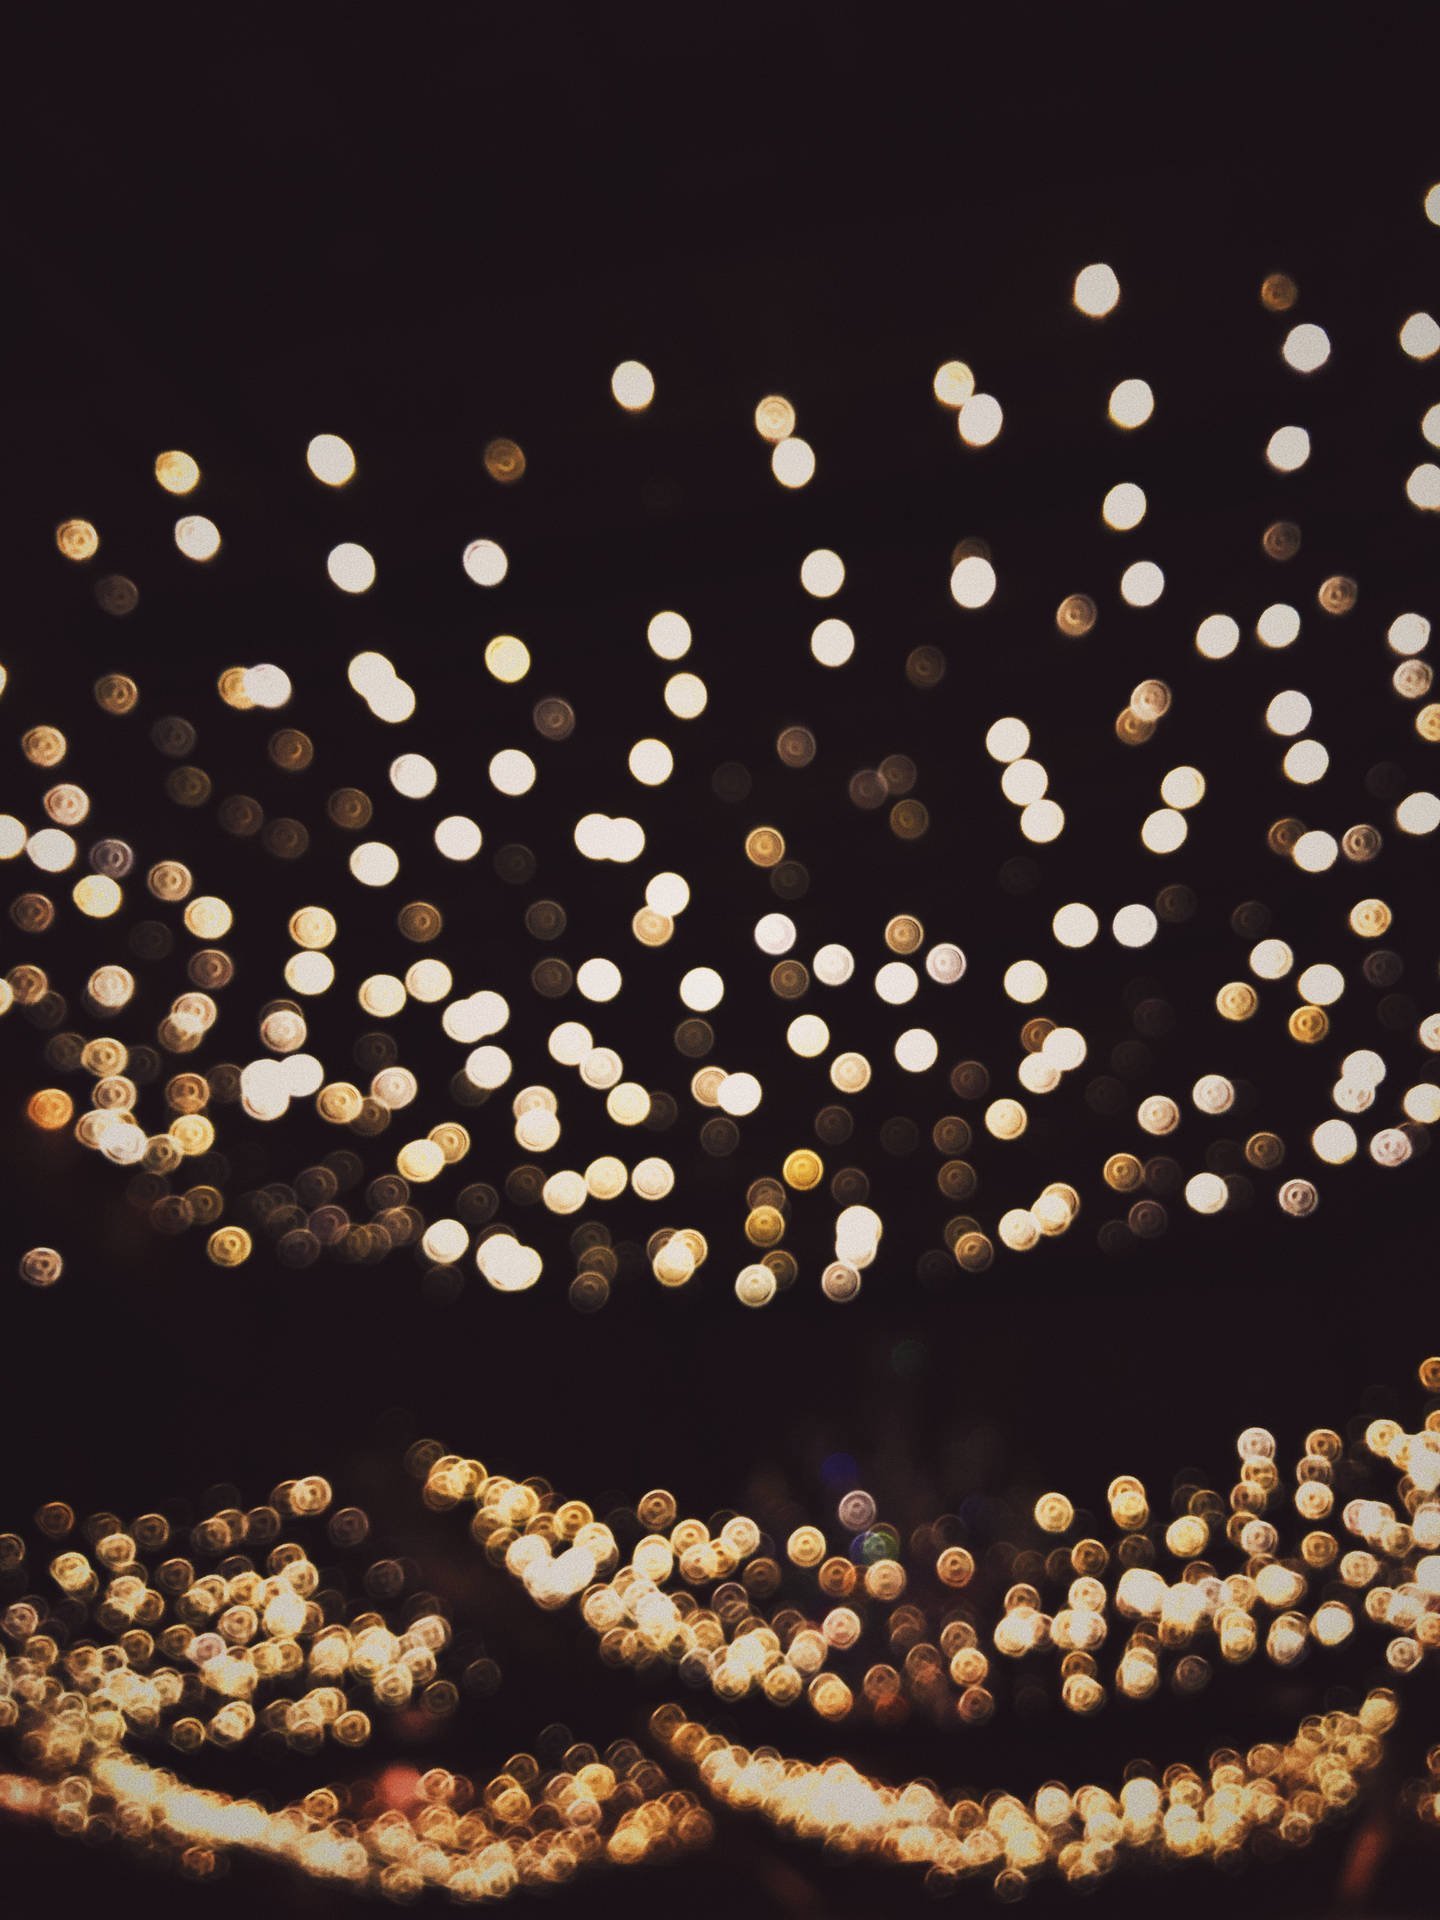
<point x="424" y="233"/>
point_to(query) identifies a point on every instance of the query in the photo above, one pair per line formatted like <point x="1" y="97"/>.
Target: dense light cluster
<point x="132" y="1652"/>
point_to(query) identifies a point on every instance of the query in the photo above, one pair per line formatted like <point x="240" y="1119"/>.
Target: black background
<point x="424" y="232"/>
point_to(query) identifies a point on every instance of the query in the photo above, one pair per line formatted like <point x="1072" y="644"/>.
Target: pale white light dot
<point x="509" y="1267"/>
<point x="1063" y="1048"/>
<point x="807" y="1035"/>
<point x="1164" y="830"/>
<point x="1306" y="762"/>
<point x="1024" y="780"/>
<point x="1430" y="424"/>
<point x="822" y="573"/>
<point x="1213" y="1093"/>
<point x="633" y="385"/>
<point x="701" y="989"/>
<point x="667" y="893"/>
<point x="669" y="636"/>
<point x="592" y="835"/>
<point x="651" y="762"/>
<point x="569" y="1043"/>
<point x="1216" y="636"/>
<point x="309" y="972"/>
<point x="1206" y="1192"/>
<point x="1390" y="1147"/>
<point x="458" y="837"/>
<point x="1334" y="1141"/>
<point x="1289" y="712"/>
<point x="834" y="965"/>
<point x="598" y="979"/>
<point x="1271" y="959"/>
<point x="625" y="840"/>
<point x="351" y="567"/>
<point x="1277" y="626"/>
<point x="793" y="462"/>
<point x="97" y="896"/>
<point x="1075" y="925"/>
<point x="1420" y="336"/>
<point x="1183" y="787"/>
<point x="369" y="671"/>
<point x="1408" y="633"/>
<point x="1366" y="1068"/>
<point x="507" y="658"/>
<point x="1124" y="506"/>
<point x="896" y="983"/>
<point x="486" y="563"/>
<point x="428" y="980"/>
<point x="1422" y="1103"/>
<point x="488" y="1067"/>
<point x="12" y="836"/>
<point x="1418" y="813"/>
<point x="1134" y="926"/>
<point x="196" y="537"/>
<point x="1315" y="851"/>
<point x="1320" y="984"/>
<point x="917" y="1049"/>
<point x="413" y="775"/>
<point x="1096" y="290"/>
<point x="1006" y="1119"/>
<point x="267" y="686"/>
<point x="330" y="459"/>
<point x="304" y="1075"/>
<point x="738" y="1094"/>
<point x="374" y="864"/>
<point x="972" y="584"/>
<point x="832" y="643"/>
<point x="850" y="1072"/>
<point x="1288" y="449"/>
<point x="1306" y="347"/>
<point x="1132" y="403"/>
<point x="1042" y="821"/>
<point x="393" y="701"/>
<point x="1142" y="584"/>
<point x="492" y="1010"/>
<point x="755" y="1286"/>
<point x="980" y="419"/>
<point x="653" y="1178"/>
<point x="1025" y="981"/>
<point x="1019" y="1229"/>
<point x="1007" y="739"/>
<point x="775" y="933"/>
<point x="945" y="963"/>
<point x="512" y="771"/>
<point x="686" y="695"/>
<point x="601" y="1068"/>
<point x="444" y="1242"/>
<point x="1422" y="489"/>
<point x="51" y="850"/>
<point x="462" y="1022"/>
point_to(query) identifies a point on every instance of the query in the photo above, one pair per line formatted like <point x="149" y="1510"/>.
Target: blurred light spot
<point x="793" y="462"/>
<point x="1288" y="449"/>
<point x="972" y="584"/>
<point x="633" y="385"/>
<point x="1132" y="403"/>
<point x="832" y="643"/>
<point x="351" y="567"/>
<point x="485" y="562"/>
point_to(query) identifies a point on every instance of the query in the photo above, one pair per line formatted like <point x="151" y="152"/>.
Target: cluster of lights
<point x="847" y="1623"/>
<point x="509" y="1056"/>
<point x="258" y="1650"/>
